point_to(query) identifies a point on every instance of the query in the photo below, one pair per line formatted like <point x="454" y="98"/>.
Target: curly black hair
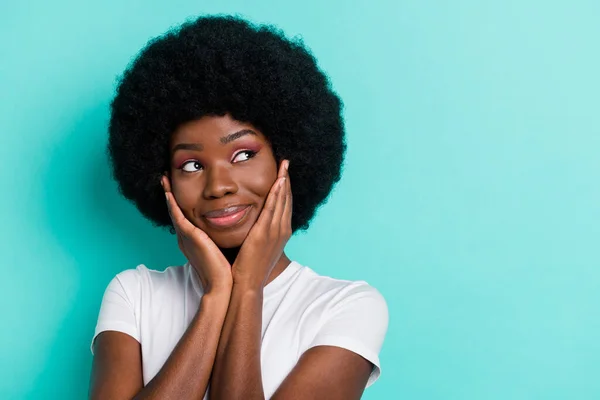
<point x="217" y="65"/>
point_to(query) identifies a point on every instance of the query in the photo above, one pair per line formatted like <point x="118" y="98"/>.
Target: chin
<point x="228" y="240"/>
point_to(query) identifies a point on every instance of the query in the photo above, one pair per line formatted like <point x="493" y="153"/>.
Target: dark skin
<point x="218" y="162"/>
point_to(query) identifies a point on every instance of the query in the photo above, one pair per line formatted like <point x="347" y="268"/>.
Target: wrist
<point x="213" y="306"/>
<point x="219" y="287"/>
<point x="217" y="295"/>
<point x="248" y="285"/>
<point x="248" y="289"/>
<point x="247" y="278"/>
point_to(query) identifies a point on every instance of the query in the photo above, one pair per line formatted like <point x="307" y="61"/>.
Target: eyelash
<point x="251" y="154"/>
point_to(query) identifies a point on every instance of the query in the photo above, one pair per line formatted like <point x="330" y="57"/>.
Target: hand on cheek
<point x="266" y="240"/>
<point x="212" y="267"/>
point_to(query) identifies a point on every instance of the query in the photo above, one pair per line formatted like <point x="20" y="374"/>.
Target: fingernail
<point x="287" y="164"/>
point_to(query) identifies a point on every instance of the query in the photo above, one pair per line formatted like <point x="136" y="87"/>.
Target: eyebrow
<point x="224" y="140"/>
<point x="236" y="135"/>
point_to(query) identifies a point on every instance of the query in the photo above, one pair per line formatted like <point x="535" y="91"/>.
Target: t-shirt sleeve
<point x="357" y="321"/>
<point x="118" y="309"/>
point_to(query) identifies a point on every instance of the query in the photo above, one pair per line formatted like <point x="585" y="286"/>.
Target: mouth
<point x="226" y="217"/>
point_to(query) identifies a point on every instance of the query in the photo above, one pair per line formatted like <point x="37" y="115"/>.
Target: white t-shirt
<point x="301" y="309"/>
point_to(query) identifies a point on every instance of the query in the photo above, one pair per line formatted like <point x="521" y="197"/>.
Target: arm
<point x="326" y="372"/>
<point x="323" y="372"/>
<point x="117" y="367"/>
<point x="343" y="357"/>
<point x="237" y="370"/>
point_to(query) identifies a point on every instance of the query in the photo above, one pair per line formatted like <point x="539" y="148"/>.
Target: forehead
<point x="210" y="129"/>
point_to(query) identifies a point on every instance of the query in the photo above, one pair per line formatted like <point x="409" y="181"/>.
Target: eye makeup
<point x="179" y="162"/>
<point x="248" y="146"/>
<point x="252" y="148"/>
<point x="242" y="144"/>
<point x="184" y="164"/>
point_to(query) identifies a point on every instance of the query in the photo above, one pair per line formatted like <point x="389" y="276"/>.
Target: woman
<point x="212" y="129"/>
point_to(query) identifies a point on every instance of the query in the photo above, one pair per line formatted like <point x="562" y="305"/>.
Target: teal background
<point x="470" y="197"/>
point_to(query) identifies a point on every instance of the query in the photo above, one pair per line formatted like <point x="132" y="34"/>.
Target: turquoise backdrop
<point x="470" y="199"/>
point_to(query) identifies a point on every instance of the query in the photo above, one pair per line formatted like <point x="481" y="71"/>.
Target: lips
<point x="226" y="217"/>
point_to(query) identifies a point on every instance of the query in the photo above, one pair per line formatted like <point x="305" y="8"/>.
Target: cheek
<point x="261" y="181"/>
<point x="186" y="194"/>
<point x="264" y="183"/>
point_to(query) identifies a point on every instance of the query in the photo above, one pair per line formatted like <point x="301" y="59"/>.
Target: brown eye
<point x="191" y="166"/>
<point x="244" y="155"/>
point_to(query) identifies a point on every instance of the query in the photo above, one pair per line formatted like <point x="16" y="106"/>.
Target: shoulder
<point x="141" y="279"/>
<point x="141" y="272"/>
<point x="348" y="314"/>
<point x="341" y="291"/>
<point x="329" y="299"/>
<point x="135" y="296"/>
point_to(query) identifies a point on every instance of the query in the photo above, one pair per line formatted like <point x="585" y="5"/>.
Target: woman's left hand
<point x="266" y="240"/>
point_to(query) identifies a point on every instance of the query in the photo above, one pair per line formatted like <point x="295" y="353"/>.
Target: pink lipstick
<point x="226" y="217"/>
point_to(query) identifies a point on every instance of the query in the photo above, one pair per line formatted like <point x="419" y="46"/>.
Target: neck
<point x="231" y="254"/>
<point x="280" y="265"/>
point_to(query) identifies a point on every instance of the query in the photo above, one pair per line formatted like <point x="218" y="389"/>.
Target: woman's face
<point x="221" y="173"/>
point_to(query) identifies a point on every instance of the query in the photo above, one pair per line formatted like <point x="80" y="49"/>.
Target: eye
<point x="191" y="166"/>
<point x="244" y="155"/>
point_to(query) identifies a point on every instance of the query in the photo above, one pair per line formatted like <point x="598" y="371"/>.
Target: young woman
<point x="213" y="128"/>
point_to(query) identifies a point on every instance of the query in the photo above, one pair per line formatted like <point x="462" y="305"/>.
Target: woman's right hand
<point x="210" y="264"/>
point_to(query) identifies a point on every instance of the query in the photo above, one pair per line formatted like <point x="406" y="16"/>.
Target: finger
<point x="180" y="243"/>
<point x="282" y="169"/>
<point x="166" y="185"/>
<point x="180" y="222"/>
<point x="280" y="204"/>
<point x="282" y="195"/>
<point x="286" y="219"/>
<point x="266" y="215"/>
<point x="175" y="226"/>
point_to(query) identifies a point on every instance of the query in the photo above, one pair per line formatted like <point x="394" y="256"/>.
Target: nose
<point x="219" y="182"/>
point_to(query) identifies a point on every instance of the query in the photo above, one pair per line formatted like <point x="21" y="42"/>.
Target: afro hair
<point x="217" y="65"/>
